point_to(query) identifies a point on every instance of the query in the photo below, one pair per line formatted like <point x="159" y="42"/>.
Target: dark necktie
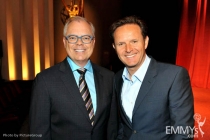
<point x="86" y="94"/>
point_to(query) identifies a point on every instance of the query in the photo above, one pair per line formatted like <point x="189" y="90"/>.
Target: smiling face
<point x="130" y="46"/>
<point x="79" y="52"/>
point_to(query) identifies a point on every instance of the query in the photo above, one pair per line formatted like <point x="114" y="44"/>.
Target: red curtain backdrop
<point x="193" y="51"/>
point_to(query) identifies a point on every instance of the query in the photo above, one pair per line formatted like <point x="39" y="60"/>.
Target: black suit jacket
<point x="58" y="112"/>
<point x="164" y="103"/>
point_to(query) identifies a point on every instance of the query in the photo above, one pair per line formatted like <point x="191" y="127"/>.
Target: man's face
<point x="79" y="52"/>
<point x="130" y="45"/>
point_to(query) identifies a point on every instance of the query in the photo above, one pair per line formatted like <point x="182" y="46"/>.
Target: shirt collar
<point x="74" y="66"/>
<point x="140" y="73"/>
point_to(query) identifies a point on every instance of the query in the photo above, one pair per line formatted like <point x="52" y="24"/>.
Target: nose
<point x="128" y="48"/>
<point x="79" y="41"/>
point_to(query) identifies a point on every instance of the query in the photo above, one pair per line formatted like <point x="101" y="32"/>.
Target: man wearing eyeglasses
<point x="74" y="99"/>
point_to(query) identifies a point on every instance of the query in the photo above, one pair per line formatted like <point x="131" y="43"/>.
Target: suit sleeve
<point x="181" y="105"/>
<point x="39" y="116"/>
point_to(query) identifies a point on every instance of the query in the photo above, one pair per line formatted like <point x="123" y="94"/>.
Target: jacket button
<point x="134" y="131"/>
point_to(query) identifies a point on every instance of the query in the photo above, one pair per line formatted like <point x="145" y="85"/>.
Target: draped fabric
<point x="193" y="50"/>
<point x="27" y="34"/>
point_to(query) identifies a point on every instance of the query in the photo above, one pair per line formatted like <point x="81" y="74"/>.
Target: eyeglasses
<point x="74" y="38"/>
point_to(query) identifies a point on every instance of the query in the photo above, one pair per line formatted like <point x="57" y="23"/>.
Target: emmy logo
<point x="197" y="118"/>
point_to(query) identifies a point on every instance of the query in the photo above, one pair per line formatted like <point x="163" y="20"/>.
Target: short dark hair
<point x="129" y="20"/>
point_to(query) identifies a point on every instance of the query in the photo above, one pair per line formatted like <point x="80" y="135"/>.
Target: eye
<point x="86" y="38"/>
<point x="134" y="41"/>
<point x="72" y="37"/>
<point x="120" y="44"/>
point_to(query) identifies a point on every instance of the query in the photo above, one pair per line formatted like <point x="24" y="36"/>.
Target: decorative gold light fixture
<point x="76" y="8"/>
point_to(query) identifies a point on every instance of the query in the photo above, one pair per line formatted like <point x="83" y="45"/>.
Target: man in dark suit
<point x="155" y="99"/>
<point x="58" y="110"/>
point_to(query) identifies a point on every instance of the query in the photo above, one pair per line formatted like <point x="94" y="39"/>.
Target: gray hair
<point x="77" y="18"/>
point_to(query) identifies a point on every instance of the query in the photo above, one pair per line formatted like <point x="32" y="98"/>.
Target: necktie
<point x="86" y="94"/>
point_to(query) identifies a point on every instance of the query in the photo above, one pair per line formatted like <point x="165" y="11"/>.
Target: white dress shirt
<point x="131" y="87"/>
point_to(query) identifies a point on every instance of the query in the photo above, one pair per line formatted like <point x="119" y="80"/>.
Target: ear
<point x="113" y="45"/>
<point x="94" y="40"/>
<point x="146" y="42"/>
<point x="64" y="42"/>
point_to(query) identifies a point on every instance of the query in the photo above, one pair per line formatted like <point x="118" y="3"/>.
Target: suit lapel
<point x="146" y="84"/>
<point x="119" y="84"/>
<point x="99" y="82"/>
<point x="70" y="83"/>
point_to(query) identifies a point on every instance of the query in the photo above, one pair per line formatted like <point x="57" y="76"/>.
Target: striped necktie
<point x="86" y="94"/>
